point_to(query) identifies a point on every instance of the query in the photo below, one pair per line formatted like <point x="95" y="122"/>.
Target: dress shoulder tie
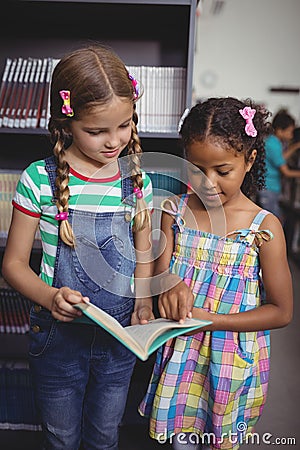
<point x="174" y="210"/>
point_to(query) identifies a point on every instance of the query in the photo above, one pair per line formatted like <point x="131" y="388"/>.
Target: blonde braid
<point x="142" y="216"/>
<point x="63" y="193"/>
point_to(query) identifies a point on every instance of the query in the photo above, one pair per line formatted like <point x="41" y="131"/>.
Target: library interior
<point x="181" y="51"/>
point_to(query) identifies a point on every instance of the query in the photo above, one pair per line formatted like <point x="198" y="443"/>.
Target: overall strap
<point x="51" y="167"/>
<point x="126" y="182"/>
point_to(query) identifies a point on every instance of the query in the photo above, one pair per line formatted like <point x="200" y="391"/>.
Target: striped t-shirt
<point x="34" y="197"/>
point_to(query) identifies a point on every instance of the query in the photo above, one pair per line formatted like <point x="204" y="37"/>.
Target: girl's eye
<point x="223" y="174"/>
<point x="125" y="125"/>
<point x="95" y="133"/>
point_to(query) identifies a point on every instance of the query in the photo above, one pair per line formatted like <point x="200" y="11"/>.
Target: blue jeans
<point x="81" y="378"/>
<point x="269" y="200"/>
<point x="81" y="373"/>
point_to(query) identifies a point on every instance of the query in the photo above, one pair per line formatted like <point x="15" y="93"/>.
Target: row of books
<point x="17" y="407"/>
<point x="14" y="312"/>
<point x="8" y="183"/>
<point x="163" y="101"/>
<point x="24" y="94"/>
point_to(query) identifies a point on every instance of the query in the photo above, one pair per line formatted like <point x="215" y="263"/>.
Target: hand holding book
<point x="142" y="340"/>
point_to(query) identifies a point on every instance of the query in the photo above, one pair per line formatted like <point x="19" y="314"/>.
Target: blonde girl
<point x="91" y="203"/>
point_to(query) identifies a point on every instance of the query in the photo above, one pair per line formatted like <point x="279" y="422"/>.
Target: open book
<point x="142" y="340"/>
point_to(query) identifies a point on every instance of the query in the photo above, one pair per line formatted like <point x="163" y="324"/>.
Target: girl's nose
<point x="208" y="181"/>
<point x="112" y="141"/>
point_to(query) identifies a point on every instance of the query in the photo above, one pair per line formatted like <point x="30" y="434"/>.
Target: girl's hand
<point x="62" y="304"/>
<point x="176" y="303"/>
<point x="142" y="314"/>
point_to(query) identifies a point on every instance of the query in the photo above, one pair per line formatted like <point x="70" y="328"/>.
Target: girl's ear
<point x="251" y="160"/>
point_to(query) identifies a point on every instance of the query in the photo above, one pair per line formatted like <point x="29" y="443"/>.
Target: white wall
<point x="250" y="46"/>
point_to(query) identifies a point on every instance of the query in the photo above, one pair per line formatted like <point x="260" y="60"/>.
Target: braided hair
<point x="93" y="75"/>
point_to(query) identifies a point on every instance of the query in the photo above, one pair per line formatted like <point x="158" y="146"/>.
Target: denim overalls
<point x="81" y="374"/>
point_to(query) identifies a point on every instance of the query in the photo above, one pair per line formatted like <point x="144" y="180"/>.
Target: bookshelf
<point x="156" y="33"/>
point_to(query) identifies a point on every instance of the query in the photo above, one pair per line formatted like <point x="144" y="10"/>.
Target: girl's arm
<point x="143" y="311"/>
<point x="278" y="310"/>
<point x="175" y="299"/>
<point x="18" y="273"/>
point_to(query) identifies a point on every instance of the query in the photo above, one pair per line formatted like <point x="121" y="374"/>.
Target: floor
<point x="279" y="425"/>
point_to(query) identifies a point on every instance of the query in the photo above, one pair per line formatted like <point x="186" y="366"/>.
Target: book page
<point x="146" y="334"/>
<point x="139" y="338"/>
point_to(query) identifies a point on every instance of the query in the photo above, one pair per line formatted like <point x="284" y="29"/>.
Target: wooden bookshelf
<point x="158" y="33"/>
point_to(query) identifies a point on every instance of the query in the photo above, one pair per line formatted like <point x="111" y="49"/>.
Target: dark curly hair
<point x="219" y="118"/>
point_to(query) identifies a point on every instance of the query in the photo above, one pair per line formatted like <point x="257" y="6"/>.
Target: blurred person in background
<point x="279" y="147"/>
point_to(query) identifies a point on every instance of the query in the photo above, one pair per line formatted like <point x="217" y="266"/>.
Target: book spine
<point x="17" y="97"/>
<point x="42" y="123"/>
<point x="4" y="85"/>
<point x="24" y="90"/>
<point x="28" y="123"/>
<point x="39" y="95"/>
<point x="13" y="92"/>
<point x="7" y="90"/>
<point x="29" y="92"/>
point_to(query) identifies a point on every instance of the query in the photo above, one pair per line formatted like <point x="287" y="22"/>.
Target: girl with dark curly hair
<point x="223" y="259"/>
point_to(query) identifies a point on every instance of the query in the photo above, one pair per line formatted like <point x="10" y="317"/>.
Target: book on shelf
<point x="16" y="98"/>
<point x="8" y="184"/>
<point x="142" y="340"/>
<point x="45" y="103"/>
<point x="29" y="93"/>
<point x="13" y="93"/>
<point x="4" y="82"/>
<point x="34" y="85"/>
<point x="14" y="312"/>
<point x="24" y="95"/>
<point x="24" y="90"/>
<point x="7" y="89"/>
<point x="38" y="98"/>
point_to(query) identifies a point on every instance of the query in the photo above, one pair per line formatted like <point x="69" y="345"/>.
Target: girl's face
<point x="285" y="134"/>
<point x="221" y="173"/>
<point x="101" y="134"/>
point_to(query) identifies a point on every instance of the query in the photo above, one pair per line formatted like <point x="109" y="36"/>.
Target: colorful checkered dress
<point x="213" y="383"/>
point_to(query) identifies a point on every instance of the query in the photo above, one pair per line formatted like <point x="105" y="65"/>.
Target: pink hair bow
<point x="66" y="107"/>
<point x="248" y="113"/>
<point x="134" y="83"/>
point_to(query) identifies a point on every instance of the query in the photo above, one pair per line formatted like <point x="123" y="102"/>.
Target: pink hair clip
<point x="61" y="216"/>
<point x="66" y="107"/>
<point x="248" y="113"/>
<point x="134" y="85"/>
<point x="138" y="192"/>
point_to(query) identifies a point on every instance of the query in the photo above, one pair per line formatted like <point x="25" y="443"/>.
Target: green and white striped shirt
<point x="34" y="197"/>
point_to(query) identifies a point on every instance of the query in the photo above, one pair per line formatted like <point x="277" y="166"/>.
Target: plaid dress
<point x="213" y="384"/>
